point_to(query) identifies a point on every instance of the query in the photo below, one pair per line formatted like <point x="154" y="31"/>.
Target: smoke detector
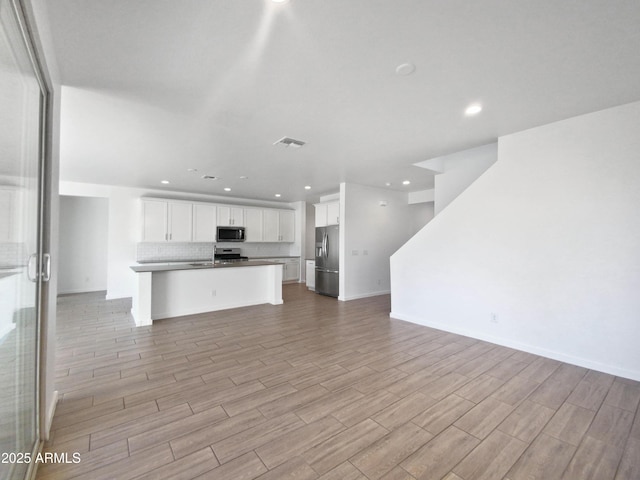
<point x="290" y="142"/>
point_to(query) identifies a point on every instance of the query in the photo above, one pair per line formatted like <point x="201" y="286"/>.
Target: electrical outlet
<point x="494" y="317"/>
<point x="354" y="253"/>
<point x="365" y="252"/>
<point x="213" y="293"/>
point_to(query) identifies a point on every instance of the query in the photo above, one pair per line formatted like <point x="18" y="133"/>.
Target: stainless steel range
<point x="228" y="255"/>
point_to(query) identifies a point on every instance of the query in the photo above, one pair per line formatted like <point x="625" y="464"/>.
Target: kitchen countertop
<point x="166" y="267"/>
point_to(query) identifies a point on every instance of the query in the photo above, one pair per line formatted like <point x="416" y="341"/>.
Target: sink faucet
<point x="215" y="249"/>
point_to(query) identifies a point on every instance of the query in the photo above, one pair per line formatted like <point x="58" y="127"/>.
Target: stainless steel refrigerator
<point x="327" y="260"/>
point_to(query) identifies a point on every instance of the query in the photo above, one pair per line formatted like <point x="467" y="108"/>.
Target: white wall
<point x="541" y="252"/>
<point x="459" y="171"/>
<point x="421" y="214"/>
<point x="125" y="230"/>
<point x="83" y="244"/>
<point x="370" y="234"/>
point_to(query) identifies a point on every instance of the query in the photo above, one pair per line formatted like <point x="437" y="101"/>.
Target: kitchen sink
<point x="202" y="264"/>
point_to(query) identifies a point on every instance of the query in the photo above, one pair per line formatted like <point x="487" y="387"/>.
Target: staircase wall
<point x="542" y="252"/>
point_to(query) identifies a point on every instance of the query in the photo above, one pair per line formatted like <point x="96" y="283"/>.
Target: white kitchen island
<point x="173" y="290"/>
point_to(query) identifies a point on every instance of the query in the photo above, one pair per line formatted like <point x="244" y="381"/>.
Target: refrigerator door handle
<point x="324" y="245"/>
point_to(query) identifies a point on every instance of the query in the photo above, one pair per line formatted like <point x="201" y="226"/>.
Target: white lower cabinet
<point x="290" y="267"/>
<point x="291" y="270"/>
<point x="311" y="274"/>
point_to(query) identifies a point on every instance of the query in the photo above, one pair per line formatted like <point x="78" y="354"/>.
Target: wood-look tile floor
<point x="321" y="389"/>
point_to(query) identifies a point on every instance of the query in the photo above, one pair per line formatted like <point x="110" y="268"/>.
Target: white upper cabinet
<point x="253" y="224"/>
<point x="204" y="222"/>
<point x="230" y="216"/>
<point x="286" y="226"/>
<point x="327" y="214"/>
<point x="333" y="213"/>
<point x="165" y="221"/>
<point x="179" y="219"/>
<point x="279" y="226"/>
<point x="271" y="225"/>
<point x="154" y="221"/>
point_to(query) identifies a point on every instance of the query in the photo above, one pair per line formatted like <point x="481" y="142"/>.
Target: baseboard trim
<point x="366" y="295"/>
<point x="51" y="410"/>
<point x="536" y="350"/>
<point x="216" y="308"/>
<point x="81" y="290"/>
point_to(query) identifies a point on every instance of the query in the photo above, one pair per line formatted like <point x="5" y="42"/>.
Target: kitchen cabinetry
<point x="278" y="226"/>
<point x="164" y="221"/>
<point x="253" y="220"/>
<point x="311" y="274"/>
<point x="230" y="216"/>
<point x="290" y="267"/>
<point x="291" y="270"/>
<point x="327" y="214"/>
<point x="204" y="222"/>
<point x="286" y="225"/>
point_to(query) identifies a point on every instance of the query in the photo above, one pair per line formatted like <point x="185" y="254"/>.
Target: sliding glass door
<point x="21" y="113"/>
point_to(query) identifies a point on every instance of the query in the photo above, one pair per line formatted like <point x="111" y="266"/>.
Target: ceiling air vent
<point x="209" y="177"/>
<point x="290" y="142"/>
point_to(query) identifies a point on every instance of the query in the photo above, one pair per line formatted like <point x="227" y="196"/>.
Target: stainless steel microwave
<point x="230" y="234"/>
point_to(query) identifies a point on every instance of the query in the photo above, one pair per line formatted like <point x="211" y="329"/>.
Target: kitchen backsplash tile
<point x="173" y="252"/>
<point x="151" y="252"/>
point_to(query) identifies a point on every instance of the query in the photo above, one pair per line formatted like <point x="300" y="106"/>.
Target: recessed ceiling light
<point x="307" y="187"/>
<point x="405" y="69"/>
<point x="227" y="189"/>
<point x="278" y="195"/>
<point x="406" y="182"/>
<point x="279" y="1"/>
<point x="192" y="169"/>
<point x="165" y="182"/>
<point x="388" y="184"/>
<point x="473" y="109"/>
<point x="243" y="177"/>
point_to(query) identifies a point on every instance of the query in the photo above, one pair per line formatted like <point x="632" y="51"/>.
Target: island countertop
<point x="167" y="267"/>
<point x="166" y="290"/>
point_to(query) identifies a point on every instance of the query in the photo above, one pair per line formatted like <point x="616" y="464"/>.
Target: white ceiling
<point x="154" y="87"/>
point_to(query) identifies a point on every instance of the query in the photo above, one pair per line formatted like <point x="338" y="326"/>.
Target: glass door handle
<point x="32" y="268"/>
<point x="46" y="267"/>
